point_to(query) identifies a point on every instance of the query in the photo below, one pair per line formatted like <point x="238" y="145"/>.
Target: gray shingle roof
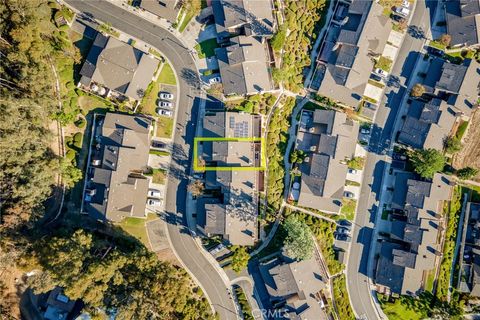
<point x="463" y="21"/>
<point x="118" y="66"/>
<point x="166" y="9"/>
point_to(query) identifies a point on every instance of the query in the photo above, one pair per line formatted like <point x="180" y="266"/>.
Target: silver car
<point x="165" y="96"/>
<point x="165" y="104"/>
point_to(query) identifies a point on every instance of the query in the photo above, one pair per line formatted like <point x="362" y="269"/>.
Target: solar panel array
<point x="241" y="129"/>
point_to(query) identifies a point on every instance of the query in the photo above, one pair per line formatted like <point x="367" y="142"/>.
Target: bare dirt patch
<point x="469" y="156"/>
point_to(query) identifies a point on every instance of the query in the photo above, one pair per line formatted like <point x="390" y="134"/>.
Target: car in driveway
<point x="398" y="156"/>
<point x="165" y="96"/>
<point x="158" y="144"/>
<point x="215" y="80"/>
<point x="154" y="202"/>
<point x="352" y="171"/>
<point x="365" y="130"/>
<point x="406" y="4"/>
<point x="343" y="237"/>
<point x="404" y="12"/>
<point x="165" y="104"/>
<point x="165" y="113"/>
<point x="342" y="230"/>
<point x="344" y="223"/>
<point x="435" y="52"/>
<point x="154" y="193"/>
<point x="348" y="194"/>
<point x="381" y="72"/>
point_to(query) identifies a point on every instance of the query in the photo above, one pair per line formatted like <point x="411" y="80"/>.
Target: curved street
<point x="183" y="244"/>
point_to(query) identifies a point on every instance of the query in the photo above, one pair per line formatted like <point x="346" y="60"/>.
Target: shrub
<point x="356" y="163"/>
<point x="453" y="144"/>
<point x="80" y="123"/>
<point x="70" y="155"/>
<point x="467" y="173"/>
<point x="77" y="140"/>
<point x="278" y="39"/>
<point x="298" y="243"/>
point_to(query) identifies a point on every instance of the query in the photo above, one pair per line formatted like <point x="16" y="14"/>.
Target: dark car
<point x="376" y="77"/>
<point x="435" y="52"/>
<point x="343" y="237"/>
<point x="158" y="144"/>
<point x="344" y="223"/>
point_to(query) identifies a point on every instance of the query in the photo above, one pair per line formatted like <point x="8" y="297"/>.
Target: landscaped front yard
<point x="206" y="49"/>
<point x="348" y="208"/>
<point x="136" y="227"/>
<point x="164" y="127"/>
<point x="167" y="75"/>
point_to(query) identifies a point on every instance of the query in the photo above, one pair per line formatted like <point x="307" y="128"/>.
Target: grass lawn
<point x="136" y="227"/>
<point x="88" y="103"/>
<point x="348" y="208"/>
<point x="399" y="311"/>
<point x="167" y="75"/>
<point x="186" y="21"/>
<point x="164" y="127"/>
<point x="160" y="152"/>
<point x="206" y="48"/>
<point x="461" y="130"/>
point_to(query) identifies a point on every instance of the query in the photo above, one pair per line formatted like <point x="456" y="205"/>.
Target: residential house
<point x="58" y="306"/>
<point x="119" y="67"/>
<point x="165" y="9"/>
<point x="116" y="187"/>
<point x="243" y="66"/>
<point x="243" y="59"/>
<point x="469" y="253"/>
<point x="463" y="22"/>
<point x="233" y="214"/>
<point x="344" y="64"/>
<point x="243" y="17"/>
<point x="329" y="139"/>
<point x="414" y="248"/>
<point x="294" y="287"/>
<point x="453" y="97"/>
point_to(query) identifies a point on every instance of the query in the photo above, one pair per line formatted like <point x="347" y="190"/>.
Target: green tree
<point x="427" y="162"/>
<point x="115" y="273"/>
<point x="356" y="163"/>
<point x="467" y="173"/>
<point x="298" y="243"/>
<point x="239" y="259"/>
<point x="417" y="90"/>
<point x="453" y="145"/>
<point x="70" y="173"/>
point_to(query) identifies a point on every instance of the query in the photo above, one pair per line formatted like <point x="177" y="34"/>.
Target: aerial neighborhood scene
<point x="240" y="159"/>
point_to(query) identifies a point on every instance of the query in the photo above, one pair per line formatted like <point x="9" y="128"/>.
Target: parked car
<point x="406" y="4"/>
<point x="344" y="223"/>
<point x="365" y="130"/>
<point x="435" y="52"/>
<point x="398" y="18"/>
<point x="343" y="237"/>
<point x="352" y="171"/>
<point x="215" y="80"/>
<point x="398" y="156"/>
<point x="154" y="193"/>
<point x="381" y="72"/>
<point x="163" y="112"/>
<point x="348" y="194"/>
<point x="376" y="77"/>
<point x="165" y="104"/>
<point x="217" y="249"/>
<point x="154" y="202"/>
<point x="165" y="95"/>
<point x="342" y="230"/>
<point x="158" y="144"/>
<point x="402" y="11"/>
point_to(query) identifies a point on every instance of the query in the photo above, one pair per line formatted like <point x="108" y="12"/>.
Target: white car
<point x="406" y="4"/>
<point x="165" y="104"/>
<point x="381" y="72"/>
<point x="404" y="12"/>
<point x="166" y="95"/>
<point x="154" y="193"/>
<point x="215" y="80"/>
<point x="352" y="171"/>
<point x="163" y="112"/>
<point x="348" y="194"/>
<point x="154" y="202"/>
<point x="365" y="130"/>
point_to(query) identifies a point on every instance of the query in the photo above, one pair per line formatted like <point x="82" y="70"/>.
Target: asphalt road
<point x="359" y="288"/>
<point x="189" y="101"/>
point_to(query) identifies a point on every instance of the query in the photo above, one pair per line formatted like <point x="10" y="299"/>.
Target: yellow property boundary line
<point x="263" y="159"/>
